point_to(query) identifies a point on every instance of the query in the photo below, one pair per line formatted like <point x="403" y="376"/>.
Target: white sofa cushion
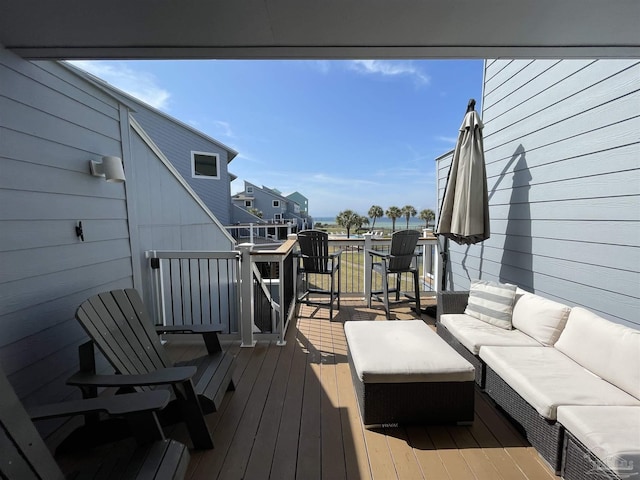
<point x="474" y="334"/>
<point x="403" y="351"/>
<point x="491" y="302"/>
<point x="612" y="433"/>
<point x="539" y="317"/>
<point x="546" y="378"/>
<point x="610" y="350"/>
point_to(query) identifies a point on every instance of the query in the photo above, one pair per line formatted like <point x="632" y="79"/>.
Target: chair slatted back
<point x="314" y="247"/>
<point x="403" y="245"/>
<point x="119" y="325"/>
<point x="23" y="453"/>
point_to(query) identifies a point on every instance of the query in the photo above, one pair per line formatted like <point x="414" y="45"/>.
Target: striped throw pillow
<point x="492" y="302"/>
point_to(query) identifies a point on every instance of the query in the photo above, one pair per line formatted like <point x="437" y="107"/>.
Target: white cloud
<point x="452" y="140"/>
<point x="224" y="128"/>
<point x="139" y="84"/>
<point x="323" y="66"/>
<point x="390" y="68"/>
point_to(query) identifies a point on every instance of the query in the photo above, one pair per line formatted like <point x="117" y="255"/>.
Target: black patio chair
<point x="316" y="260"/>
<point x="399" y="260"/>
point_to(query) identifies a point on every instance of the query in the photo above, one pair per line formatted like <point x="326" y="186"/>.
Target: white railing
<point x="226" y="287"/>
<point x="252" y="291"/>
<point x="277" y="232"/>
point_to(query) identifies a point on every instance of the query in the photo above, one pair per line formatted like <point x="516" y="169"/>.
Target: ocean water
<point x="383" y="222"/>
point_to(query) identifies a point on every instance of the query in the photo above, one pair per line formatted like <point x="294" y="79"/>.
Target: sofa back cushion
<point x="609" y="350"/>
<point x="539" y="317"/>
<point x="491" y="302"/>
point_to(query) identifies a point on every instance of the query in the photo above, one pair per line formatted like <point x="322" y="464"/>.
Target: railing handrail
<point x="180" y="254"/>
<point x="283" y="249"/>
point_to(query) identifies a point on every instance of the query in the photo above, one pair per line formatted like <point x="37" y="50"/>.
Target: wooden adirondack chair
<point x="25" y="456"/>
<point x="399" y="260"/>
<point x="118" y="323"/>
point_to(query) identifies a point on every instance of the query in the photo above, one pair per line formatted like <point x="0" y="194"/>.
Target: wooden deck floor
<point x="294" y="415"/>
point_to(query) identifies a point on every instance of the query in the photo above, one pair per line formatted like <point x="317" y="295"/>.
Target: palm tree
<point x="360" y="221"/>
<point x="375" y="212"/>
<point x="255" y="212"/>
<point x="408" y="211"/>
<point x="347" y="219"/>
<point x="427" y="215"/>
<point x="393" y="213"/>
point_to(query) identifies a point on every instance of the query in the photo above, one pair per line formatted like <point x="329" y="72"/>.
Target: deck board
<point x="294" y="415"/>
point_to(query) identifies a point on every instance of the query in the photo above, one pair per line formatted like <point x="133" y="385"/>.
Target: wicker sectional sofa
<point x="555" y="359"/>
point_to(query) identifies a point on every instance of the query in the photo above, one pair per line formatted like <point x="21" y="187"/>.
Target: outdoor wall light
<point x="111" y="168"/>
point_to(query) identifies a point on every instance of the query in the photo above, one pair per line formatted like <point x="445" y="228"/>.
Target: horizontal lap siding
<point x="563" y="165"/>
<point x="51" y="124"/>
<point x="176" y="143"/>
<point x="168" y="217"/>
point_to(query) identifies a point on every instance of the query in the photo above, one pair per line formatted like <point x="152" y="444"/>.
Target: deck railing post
<point x="157" y="289"/>
<point x="368" y="244"/>
<point x="427" y="258"/>
<point x="251" y="233"/>
<point x="246" y="295"/>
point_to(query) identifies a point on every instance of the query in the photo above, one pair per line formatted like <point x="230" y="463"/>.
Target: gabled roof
<point x="131" y="101"/>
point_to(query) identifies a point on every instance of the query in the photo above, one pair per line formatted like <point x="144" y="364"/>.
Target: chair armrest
<point x="113" y="405"/>
<point x="378" y="254"/>
<point x="452" y="302"/>
<point x="164" y="376"/>
<point x="214" y="328"/>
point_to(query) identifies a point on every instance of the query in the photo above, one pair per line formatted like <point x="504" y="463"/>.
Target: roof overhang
<point x="75" y="29"/>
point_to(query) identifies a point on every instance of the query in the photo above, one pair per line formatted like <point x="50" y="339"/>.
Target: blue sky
<point x="346" y="134"/>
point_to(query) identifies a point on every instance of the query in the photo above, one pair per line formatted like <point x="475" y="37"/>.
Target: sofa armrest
<point x="452" y="302"/>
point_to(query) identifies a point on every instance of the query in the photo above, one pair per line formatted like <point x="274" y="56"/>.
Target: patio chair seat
<point x="117" y="322"/>
<point x="318" y="262"/>
<point x="399" y="260"/>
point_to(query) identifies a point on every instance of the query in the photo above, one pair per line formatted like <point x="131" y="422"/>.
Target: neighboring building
<point x="52" y="123"/>
<point x="201" y="160"/>
<point x="275" y="207"/>
<point x="562" y="152"/>
<point x="303" y="203"/>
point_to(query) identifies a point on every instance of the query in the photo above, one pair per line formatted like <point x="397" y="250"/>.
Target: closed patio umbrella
<point x="464" y="214"/>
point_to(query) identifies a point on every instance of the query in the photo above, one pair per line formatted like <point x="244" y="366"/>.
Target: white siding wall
<point x="562" y="144"/>
<point x="51" y="124"/>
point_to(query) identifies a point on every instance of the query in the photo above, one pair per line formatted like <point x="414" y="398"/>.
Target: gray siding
<point x="168" y="216"/>
<point x="562" y="148"/>
<point x="177" y="143"/>
<point x="51" y="124"/>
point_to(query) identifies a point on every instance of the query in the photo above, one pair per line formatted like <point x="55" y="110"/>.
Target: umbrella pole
<point x="444" y="254"/>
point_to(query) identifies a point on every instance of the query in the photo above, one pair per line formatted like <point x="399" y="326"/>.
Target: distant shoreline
<point x="381" y="223"/>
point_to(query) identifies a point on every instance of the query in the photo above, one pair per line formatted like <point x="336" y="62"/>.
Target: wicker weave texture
<point x="544" y="435"/>
<point x="413" y="403"/>
<point x="579" y="463"/>
<point x="474" y="360"/>
<point x="451" y="302"/>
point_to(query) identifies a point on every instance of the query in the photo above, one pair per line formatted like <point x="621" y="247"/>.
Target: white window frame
<point x="205" y="177"/>
<point x="277" y="217"/>
<point x="276" y="204"/>
<point x="249" y="189"/>
<point x="248" y="203"/>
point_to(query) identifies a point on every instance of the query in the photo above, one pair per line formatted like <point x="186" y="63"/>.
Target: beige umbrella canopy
<point x="464" y="215"/>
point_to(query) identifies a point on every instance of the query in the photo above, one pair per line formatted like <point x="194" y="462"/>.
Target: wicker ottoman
<point x="404" y="373"/>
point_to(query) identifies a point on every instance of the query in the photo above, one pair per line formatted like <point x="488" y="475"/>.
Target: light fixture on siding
<point x="110" y="168"/>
